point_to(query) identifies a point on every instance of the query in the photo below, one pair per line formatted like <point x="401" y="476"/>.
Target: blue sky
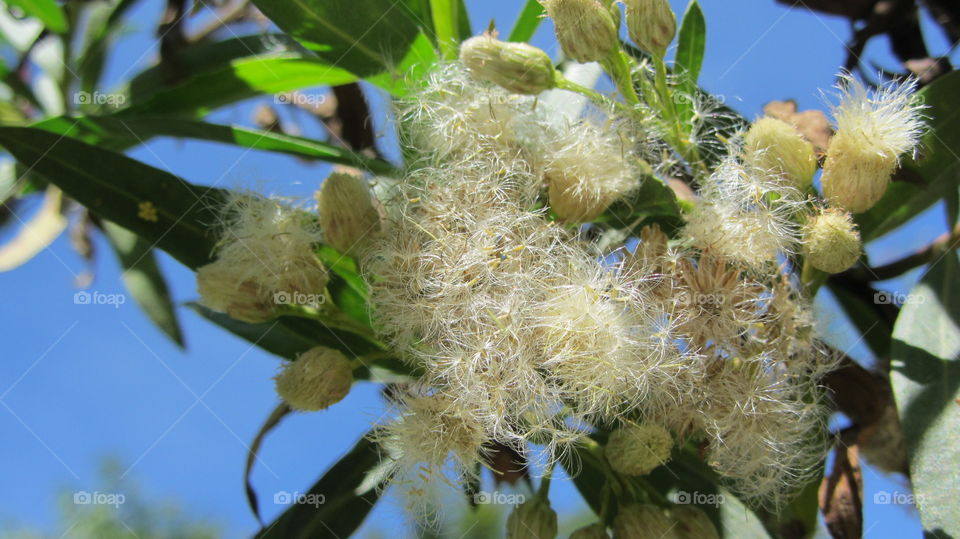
<point x="82" y="382"/>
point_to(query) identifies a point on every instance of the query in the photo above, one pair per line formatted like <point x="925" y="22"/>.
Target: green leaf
<point x="446" y="25"/>
<point x="120" y="133"/>
<point x="101" y="32"/>
<point x="161" y="208"/>
<point x="364" y="37"/>
<point x="925" y="377"/>
<point x="346" y="500"/>
<point x="48" y="11"/>
<point x="143" y="279"/>
<point x="691" y="45"/>
<point x="527" y="22"/>
<point x="935" y="175"/>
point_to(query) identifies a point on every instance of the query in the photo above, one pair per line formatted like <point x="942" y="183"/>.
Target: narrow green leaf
<point x="143" y="278"/>
<point x="346" y="500"/>
<point x="937" y="170"/>
<point x="48" y="11"/>
<point x="120" y="133"/>
<point x="282" y="410"/>
<point x="691" y="46"/>
<point x="364" y="37"/>
<point x="102" y="29"/>
<point x="925" y="376"/>
<point x="527" y="22"/>
<point x="446" y="24"/>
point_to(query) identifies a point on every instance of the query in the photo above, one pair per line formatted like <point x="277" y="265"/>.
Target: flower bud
<point x="223" y="290"/>
<point x="692" y="523"/>
<point x="831" y="241"/>
<point x="855" y="177"/>
<point x="776" y="146"/>
<point x="517" y="67"/>
<point x="533" y="519"/>
<point x="585" y="29"/>
<point x="318" y="378"/>
<point x="347" y="216"/>
<point x="641" y="520"/>
<point x="651" y="24"/>
<point x="637" y="449"/>
<point x="593" y="531"/>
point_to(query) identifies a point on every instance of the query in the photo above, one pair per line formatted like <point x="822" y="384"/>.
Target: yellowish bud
<point x="533" y="519"/>
<point x="319" y="378"/>
<point x="651" y="24"/>
<point x="593" y="531"/>
<point x="517" y="67"/>
<point x="223" y="289"/>
<point x="776" y="146"/>
<point x="642" y="520"/>
<point x="855" y="174"/>
<point x="638" y="449"/>
<point x="692" y="523"/>
<point x="347" y="216"/>
<point x="831" y="241"/>
<point x="586" y="29"/>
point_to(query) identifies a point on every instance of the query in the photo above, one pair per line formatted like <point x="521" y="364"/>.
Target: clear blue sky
<point x="81" y="382"/>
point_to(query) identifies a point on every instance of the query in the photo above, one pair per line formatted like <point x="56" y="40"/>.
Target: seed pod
<point x="517" y="67"/>
<point x="221" y="289"/>
<point x="593" y="531"/>
<point x="642" y="520"/>
<point x="585" y="29"/>
<point x="776" y="146"/>
<point x="319" y="378"/>
<point x="533" y="519"/>
<point x="831" y="241"/>
<point x="347" y="216"/>
<point x="637" y="449"/>
<point x="692" y="523"/>
<point x="651" y="25"/>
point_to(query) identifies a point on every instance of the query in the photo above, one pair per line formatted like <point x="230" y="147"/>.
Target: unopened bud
<point x="593" y="531"/>
<point x="586" y="29"/>
<point x="533" y="519"/>
<point x="638" y="449"/>
<point x="831" y="241"/>
<point x="319" y="378"/>
<point x="223" y="290"/>
<point x="641" y="520"/>
<point x="856" y="173"/>
<point x="517" y="67"/>
<point x="692" y="523"/>
<point x="776" y="146"/>
<point x="347" y="216"/>
<point x="651" y="24"/>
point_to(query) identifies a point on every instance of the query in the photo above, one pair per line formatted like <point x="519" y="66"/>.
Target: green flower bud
<point x="637" y="449"/>
<point x="831" y="241"/>
<point x="517" y="67"/>
<point x="651" y="24"/>
<point x="223" y="289"/>
<point x="319" y="378"/>
<point x="778" y="147"/>
<point x="593" y="531"/>
<point x="642" y="520"/>
<point x="692" y="523"/>
<point x="585" y="29"/>
<point x="347" y="216"/>
<point x="533" y="519"/>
